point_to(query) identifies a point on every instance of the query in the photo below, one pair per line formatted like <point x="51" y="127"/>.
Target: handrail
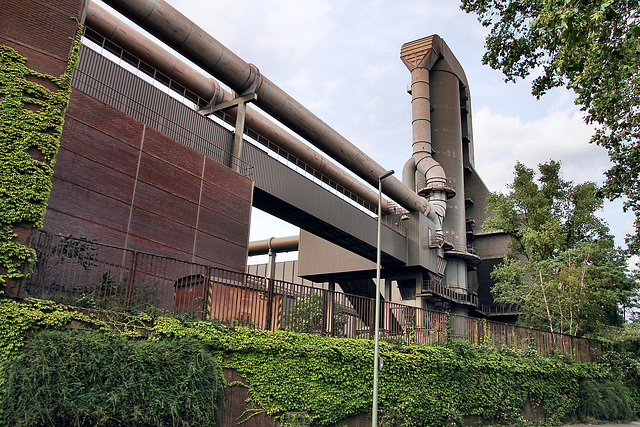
<point x="444" y="291"/>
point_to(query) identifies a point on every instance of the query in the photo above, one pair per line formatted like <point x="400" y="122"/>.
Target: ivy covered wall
<point x="329" y="380"/>
<point x="31" y="119"/>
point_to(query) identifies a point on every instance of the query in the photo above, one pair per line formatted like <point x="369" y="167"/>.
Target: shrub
<point x="306" y="315"/>
<point x="609" y="400"/>
<point x="104" y="379"/>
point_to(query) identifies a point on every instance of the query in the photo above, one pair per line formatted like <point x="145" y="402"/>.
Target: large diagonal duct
<point x="419" y="57"/>
<point x="111" y="28"/>
<point x="173" y="28"/>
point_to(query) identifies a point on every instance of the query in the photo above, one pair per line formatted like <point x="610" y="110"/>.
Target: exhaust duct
<point x="419" y="57"/>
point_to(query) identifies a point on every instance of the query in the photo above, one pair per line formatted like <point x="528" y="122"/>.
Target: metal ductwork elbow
<point x="419" y="57"/>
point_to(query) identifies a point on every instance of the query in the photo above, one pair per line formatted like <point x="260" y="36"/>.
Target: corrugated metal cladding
<point x="115" y="86"/>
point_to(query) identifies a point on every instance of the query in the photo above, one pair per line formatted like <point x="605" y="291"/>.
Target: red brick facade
<point x="123" y="183"/>
<point x="44" y="33"/>
<point x="118" y="181"/>
<point x="41" y="31"/>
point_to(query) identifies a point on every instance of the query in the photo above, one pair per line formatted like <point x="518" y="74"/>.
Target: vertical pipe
<point x="435" y="179"/>
<point x="269" y="314"/>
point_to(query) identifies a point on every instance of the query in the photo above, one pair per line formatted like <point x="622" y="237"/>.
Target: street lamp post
<point x="376" y="351"/>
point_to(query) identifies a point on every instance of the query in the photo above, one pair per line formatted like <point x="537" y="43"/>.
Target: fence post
<point x="324" y="312"/>
<point x="128" y="294"/>
<point x="208" y="297"/>
<point x="44" y="246"/>
<point x="269" y="313"/>
<point x="372" y="321"/>
<point x="330" y="312"/>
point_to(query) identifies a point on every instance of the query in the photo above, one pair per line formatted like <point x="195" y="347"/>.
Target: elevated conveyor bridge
<point x="279" y="190"/>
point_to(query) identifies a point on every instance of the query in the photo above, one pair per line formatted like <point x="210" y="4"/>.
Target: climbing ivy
<point x="19" y="320"/>
<point x="30" y="128"/>
<point x="330" y="379"/>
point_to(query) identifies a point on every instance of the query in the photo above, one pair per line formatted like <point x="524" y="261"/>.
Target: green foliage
<point x="81" y="249"/>
<point x="626" y="367"/>
<point x="591" y="47"/>
<point x="610" y="400"/>
<point x="305" y="315"/>
<point x="13" y="255"/>
<point x="294" y="419"/>
<point x="18" y="321"/>
<point x="562" y="269"/>
<point x="30" y="128"/>
<point x="330" y="379"/>
<point x="100" y="379"/>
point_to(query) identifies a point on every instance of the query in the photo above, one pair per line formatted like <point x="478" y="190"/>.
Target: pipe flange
<point x="217" y="95"/>
<point x="253" y="81"/>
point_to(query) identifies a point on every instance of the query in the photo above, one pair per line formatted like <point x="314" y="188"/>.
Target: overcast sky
<point x="340" y="59"/>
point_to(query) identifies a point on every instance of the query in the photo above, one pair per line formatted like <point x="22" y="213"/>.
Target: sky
<point x="340" y="59"/>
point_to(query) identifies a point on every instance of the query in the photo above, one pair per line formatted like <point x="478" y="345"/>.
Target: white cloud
<point x="308" y="24"/>
<point x="501" y="141"/>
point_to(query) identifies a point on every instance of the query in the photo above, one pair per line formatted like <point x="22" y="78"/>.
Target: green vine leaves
<point x="30" y="129"/>
<point x="329" y="379"/>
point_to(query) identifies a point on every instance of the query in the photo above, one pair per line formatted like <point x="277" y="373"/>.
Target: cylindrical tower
<point x="432" y="183"/>
<point x="437" y="81"/>
<point x="446" y="136"/>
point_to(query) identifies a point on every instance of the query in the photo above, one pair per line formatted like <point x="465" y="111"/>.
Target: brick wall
<point x="123" y="183"/>
<point x="41" y="31"/>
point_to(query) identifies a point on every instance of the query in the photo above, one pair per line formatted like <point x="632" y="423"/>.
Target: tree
<point x="308" y="314"/>
<point x="589" y="46"/>
<point x="562" y="267"/>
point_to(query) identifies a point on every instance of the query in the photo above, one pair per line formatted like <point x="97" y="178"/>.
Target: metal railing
<point x="437" y="288"/>
<point x="500" y="309"/>
<point x="82" y="272"/>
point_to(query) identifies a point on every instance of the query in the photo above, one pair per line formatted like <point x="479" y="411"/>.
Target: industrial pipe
<point x="173" y="28"/>
<point x="419" y="57"/>
<point x="274" y="244"/>
<point x="111" y="28"/>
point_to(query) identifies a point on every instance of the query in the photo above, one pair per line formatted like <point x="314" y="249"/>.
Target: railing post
<point x="269" y="313"/>
<point x="372" y="322"/>
<point x="207" y="301"/>
<point x="128" y="295"/>
<point x="330" y="311"/>
<point x="324" y="315"/>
